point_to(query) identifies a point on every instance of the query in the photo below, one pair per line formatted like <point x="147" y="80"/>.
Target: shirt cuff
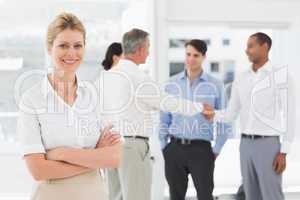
<point x="218" y="116"/>
<point x="285" y="147"/>
<point x="217" y="149"/>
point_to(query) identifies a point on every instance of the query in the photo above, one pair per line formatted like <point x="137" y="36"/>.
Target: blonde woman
<point x="59" y="133"/>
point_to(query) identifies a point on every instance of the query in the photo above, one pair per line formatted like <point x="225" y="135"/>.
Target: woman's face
<point x="67" y="51"/>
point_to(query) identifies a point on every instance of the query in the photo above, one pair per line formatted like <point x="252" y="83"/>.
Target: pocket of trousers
<point x="144" y="150"/>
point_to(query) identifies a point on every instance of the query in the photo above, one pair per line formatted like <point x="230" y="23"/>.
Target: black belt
<point x="184" y="141"/>
<point x="254" y="137"/>
<point x="137" y="137"/>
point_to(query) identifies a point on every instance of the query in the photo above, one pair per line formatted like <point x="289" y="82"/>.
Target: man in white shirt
<point x="128" y="96"/>
<point x="264" y="98"/>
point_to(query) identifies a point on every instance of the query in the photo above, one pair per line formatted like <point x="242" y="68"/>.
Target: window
<point x="226" y="42"/>
<point x="214" y="67"/>
<point x="177" y="43"/>
<point x="176" y="67"/>
<point x="207" y="41"/>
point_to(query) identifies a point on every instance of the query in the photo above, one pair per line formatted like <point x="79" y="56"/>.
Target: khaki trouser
<point x="89" y="186"/>
<point x="132" y="181"/>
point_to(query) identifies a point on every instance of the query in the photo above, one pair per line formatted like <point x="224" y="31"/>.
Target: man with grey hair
<point x="128" y="98"/>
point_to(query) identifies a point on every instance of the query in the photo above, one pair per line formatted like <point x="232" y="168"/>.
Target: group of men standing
<point x="194" y="113"/>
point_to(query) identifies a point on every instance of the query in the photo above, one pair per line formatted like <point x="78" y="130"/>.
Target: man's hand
<point x="279" y="163"/>
<point x="108" y="138"/>
<point x="208" y="112"/>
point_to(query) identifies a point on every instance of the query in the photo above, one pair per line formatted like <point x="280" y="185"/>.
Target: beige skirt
<point x="89" y="186"/>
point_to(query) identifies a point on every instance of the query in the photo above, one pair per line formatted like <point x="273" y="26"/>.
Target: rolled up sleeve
<point x="28" y="129"/>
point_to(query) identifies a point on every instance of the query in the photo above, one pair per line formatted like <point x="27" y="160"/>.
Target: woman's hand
<point x="108" y="137"/>
<point x="56" y="154"/>
<point x="107" y="154"/>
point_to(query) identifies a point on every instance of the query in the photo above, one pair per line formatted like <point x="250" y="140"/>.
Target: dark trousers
<point x="196" y="159"/>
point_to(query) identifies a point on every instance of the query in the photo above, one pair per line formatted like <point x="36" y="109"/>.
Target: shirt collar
<point x="128" y="65"/>
<point x="47" y="87"/>
<point x="203" y="76"/>
<point x="267" y="67"/>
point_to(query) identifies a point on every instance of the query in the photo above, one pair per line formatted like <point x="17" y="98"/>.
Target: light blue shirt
<point x="205" y="89"/>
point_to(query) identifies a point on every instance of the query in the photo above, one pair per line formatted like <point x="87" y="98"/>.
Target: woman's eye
<point x="78" y="46"/>
<point x="63" y="46"/>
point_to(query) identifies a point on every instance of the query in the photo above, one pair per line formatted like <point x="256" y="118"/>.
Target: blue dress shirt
<point x="205" y="89"/>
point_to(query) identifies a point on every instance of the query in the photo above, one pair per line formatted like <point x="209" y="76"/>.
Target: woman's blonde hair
<point x="62" y="22"/>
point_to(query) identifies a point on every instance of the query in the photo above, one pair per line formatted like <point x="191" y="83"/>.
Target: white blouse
<point x="46" y="121"/>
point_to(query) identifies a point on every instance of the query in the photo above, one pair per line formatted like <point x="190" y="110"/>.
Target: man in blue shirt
<point x="186" y="141"/>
